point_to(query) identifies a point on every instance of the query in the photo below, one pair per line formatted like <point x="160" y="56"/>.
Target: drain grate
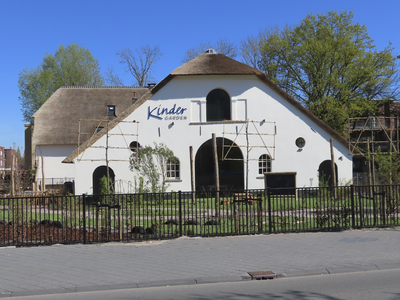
<point x="260" y="275"/>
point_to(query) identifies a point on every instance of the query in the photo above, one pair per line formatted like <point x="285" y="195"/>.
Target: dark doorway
<point x="231" y="174"/>
<point x="325" y="173"/>
<point x="98" y="174"/>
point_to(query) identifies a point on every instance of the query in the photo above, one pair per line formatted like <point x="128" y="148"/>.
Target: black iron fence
<point x="91" y="219"/>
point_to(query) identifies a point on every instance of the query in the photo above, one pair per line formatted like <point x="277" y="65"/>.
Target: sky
<point x="30" y="29"/>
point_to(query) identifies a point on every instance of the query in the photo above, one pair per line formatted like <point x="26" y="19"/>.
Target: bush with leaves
<point x="151" y="165"/>
<point x="387" y="169"/>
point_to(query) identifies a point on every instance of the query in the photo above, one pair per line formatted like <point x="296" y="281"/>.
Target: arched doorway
<point x="325" y="173"/>
<point x="231" y="172"/>
<point x="98" y="174"/>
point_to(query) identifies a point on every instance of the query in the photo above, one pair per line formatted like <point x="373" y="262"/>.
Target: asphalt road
<point x="192" y="261"/>
<point x="367" y="285"/>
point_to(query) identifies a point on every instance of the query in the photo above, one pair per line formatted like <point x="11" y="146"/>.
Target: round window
<point x="134" y="146"/>
<point x="300" y="142"/>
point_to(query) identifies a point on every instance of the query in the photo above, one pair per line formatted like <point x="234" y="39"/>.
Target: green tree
<point x="73" y="65"/>
<point x="387" y="167"/>
<point x="151" y="164"/>
<point x="330" y="65"/>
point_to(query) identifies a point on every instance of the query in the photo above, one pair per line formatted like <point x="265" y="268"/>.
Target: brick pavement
<point x="72" y="268"/>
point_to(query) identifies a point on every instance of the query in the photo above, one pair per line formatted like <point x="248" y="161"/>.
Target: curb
<point x="199" y="280"/>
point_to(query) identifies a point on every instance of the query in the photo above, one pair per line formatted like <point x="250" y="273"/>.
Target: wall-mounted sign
<point x="165" y="113"/>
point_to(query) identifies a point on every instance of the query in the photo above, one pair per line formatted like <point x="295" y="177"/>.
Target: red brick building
<point x="2" y="162"/>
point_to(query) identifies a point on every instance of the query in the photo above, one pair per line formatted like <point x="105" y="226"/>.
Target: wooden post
<point x="35" y="185"/>
<point x="12" y="178"/>
<point x="390" y="153"/>
<point x="216" y="173"/>
<point x="247" y="177"/>
<point x="108" y="171"/>
<point x="192" y="174"/>
<point x="369" y="170"/>
<point x="333" y="171"/>
<point x="43" y="178"/>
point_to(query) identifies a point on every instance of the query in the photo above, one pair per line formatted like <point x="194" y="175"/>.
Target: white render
<point x="251" y="99"/>
<point x="53" y="155"/>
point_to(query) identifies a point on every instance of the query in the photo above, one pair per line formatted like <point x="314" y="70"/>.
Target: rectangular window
<point x="111" y="111"/>
<point x="173" y="169"/>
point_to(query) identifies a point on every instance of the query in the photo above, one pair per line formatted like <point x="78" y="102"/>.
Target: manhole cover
<point x="259" y="275"/>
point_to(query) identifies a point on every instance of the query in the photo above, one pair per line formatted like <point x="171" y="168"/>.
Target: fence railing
<point x="129" y="217"/>
<point x="55" y="181"/>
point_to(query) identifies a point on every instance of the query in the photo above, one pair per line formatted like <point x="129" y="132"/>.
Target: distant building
<point x="372" y="133"/>
<point x="6" y="156"/>
<point x="2" y="162"/>
<point x="28" y="147"/>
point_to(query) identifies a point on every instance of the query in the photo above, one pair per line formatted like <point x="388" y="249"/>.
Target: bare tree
<point x="139" y="63"/>
<point x="222" y="46"/>
<point x="112" y="78"/>
<point x="250" y="49"/>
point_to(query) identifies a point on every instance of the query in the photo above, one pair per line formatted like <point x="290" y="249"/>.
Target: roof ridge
<point x="101" y="87"/>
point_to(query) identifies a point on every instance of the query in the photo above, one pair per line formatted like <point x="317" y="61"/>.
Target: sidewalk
<point x="75" y="268"/>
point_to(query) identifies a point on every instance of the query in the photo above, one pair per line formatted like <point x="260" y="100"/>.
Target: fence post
<point x="180" y="212"/>
<point x="360" y="199"/>
<point x="353" y="215"/>
<point x="235" y="216"/>
<point x="269" y="211"/>
<point x="84" y="217"/>
<point x="383" y="207"/>
<point x="259" y="214"/>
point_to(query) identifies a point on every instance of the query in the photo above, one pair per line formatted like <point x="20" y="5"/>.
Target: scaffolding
<point x="250" y="131"/>
<point x="246" y="131"/>
<point x="368" y="134"/>
<point x="104" y="124"/>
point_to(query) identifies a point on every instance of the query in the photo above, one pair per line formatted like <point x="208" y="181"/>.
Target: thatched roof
<point x="209" y="64"/>
<point x="57" y="121"/>
<point x="214" y="64"/>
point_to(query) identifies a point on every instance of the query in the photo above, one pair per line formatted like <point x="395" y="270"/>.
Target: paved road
<point x="372" y="285"/>
<point x="74" y="268"/>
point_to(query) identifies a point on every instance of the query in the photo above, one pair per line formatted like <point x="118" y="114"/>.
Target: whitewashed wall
<point x="53" y="157"/>
<point x="251" y="99"/>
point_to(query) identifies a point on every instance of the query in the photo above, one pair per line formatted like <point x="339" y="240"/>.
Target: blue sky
<point x="29" y="29"/>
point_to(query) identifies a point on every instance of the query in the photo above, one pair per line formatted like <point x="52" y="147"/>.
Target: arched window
<point x="264" y="164"/>
<point x="173" y="170"/>
<point x="218" y="105"/>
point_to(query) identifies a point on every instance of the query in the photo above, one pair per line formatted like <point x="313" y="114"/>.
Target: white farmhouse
<point x="79" y="131"/>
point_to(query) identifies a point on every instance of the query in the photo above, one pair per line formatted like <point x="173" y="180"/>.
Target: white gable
<point x="177" y="116"/>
